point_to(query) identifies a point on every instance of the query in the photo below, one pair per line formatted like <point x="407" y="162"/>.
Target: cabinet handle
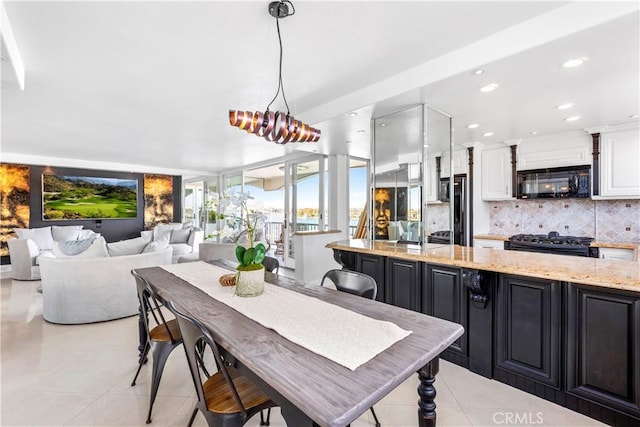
<point x="506" y="190"/>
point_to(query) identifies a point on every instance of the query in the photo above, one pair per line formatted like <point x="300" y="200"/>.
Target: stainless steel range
<point x="552" y="243"/>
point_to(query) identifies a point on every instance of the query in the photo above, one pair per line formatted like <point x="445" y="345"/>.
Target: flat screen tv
<point x="85" y="197"/>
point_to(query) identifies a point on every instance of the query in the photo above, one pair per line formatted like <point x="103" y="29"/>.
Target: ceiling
<point x="147" y="85"/>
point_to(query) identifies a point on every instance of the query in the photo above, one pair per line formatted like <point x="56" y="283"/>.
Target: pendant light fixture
<point x="276" y="127"/>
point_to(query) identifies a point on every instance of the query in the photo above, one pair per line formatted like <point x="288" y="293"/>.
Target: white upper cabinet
<point x="496" y="174"/>
<point x="620" y="163"/>
<point x="459" y="163"/>
<point x="568" y="149"/>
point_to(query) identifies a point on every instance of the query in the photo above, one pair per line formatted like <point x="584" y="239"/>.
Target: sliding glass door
<point x="305" y="201"/>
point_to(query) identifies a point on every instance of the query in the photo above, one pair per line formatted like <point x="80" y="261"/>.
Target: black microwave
<point x="565" y="182"/>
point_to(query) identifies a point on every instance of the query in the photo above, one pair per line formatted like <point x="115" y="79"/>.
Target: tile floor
<point x="80" y="375"/>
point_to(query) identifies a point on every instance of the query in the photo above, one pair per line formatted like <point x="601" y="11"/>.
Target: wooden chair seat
<point x="160" y="334"/>
<point x="219" y="397"/>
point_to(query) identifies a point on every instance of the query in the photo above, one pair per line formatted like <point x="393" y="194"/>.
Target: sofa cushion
<point x="127" y="247"/>
<point x="98" y="249"/>
<point x="44" y="254"/>
<point x="157" y="245"/>
<point x="180" y="236"/>
<point x="161" y="230"/>
<point x="65" y="232"/>
<point x="181" y="249"/>
<point x="41" y="236"/>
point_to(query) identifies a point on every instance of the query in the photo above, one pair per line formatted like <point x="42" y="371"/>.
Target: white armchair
<point x="23" y="254"/>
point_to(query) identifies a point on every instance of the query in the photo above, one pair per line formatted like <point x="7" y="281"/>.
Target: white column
<point x="339" y="194"/>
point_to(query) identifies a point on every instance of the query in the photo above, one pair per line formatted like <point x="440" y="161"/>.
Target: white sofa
<point x="87" y="290"/>
<point x="183" y="238"/>
<point x="210" y="251"/>
<point x="31" y="243"/>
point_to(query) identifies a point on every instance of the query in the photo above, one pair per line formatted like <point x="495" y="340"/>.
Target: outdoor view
<point x="268" y="197"/>
<point x="83" y="197"/>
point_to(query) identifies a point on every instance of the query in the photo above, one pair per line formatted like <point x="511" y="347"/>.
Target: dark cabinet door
<point x="528" y="328"/>
<point x="444" y="297"/>
<point x="402" y="283"/>
<point x="373" y="265"/>
<point x="603" y="347"/>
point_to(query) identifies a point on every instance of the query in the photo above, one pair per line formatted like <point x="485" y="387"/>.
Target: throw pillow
<point x="127" y="247"/>
<point x="162" y="230"/>
<point x="41" y="236"/>
<point x="192" y="235"/>
<point x="157" y="245"/>
<point x="66" y="232"/>
<point x="85" y="234"/>
<point x="98" y="249"/>
<point x="147" y="234"/>
<point x="180" y="236"/>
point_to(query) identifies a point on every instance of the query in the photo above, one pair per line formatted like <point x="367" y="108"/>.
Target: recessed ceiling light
<point x="564" y="106"/>
<point x="489" y="88"/>
<point x="478" y="71"/>
<point x="533" y="132"/>
<point x="361" y="131"/>
<point x="633" y="116"/>
<point x="487" y="134"/>
<point x="383" y="125"/>
<point x="573" y="62"/>
<point x="353" y="114"/>
<point x="473" y="126"/>
<point x="571" y="119"/>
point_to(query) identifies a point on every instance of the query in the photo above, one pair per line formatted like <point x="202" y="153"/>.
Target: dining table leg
<point x="427" y="393"/>
<point x="142" y="333"/>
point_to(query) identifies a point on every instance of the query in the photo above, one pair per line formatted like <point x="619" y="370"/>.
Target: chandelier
<point x="276" y="126"/>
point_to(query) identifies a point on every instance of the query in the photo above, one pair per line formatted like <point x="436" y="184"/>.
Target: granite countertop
<point x="588" y="271"/>
<point x="615" y="245"/>
<point x="491" y="237"/>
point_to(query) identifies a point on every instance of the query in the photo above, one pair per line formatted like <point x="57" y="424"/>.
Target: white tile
<point x="27" y="408"/>
<point x="80" y="375"/>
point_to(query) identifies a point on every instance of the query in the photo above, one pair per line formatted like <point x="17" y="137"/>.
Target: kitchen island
<point x="562" y="327"/>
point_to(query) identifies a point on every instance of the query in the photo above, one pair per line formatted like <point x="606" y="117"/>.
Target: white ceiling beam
<point x="13" y="54"/>
<point x="550" y="26"/>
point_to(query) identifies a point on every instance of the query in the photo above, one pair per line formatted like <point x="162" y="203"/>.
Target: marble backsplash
<point x="606" y="220"/>
<point x="437" y="217"/>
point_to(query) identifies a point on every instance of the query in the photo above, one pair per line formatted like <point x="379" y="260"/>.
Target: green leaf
<point x="249" y="255"/>
<point x="261" y="251"/>
<point x="240" y="251"/>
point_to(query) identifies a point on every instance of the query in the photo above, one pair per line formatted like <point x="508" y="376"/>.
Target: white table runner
<point x="343" y="336"/>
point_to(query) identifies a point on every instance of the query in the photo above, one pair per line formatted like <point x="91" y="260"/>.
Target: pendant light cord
<point x="280" y="83"/>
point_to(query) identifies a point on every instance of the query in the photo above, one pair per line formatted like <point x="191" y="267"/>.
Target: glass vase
<point x="250" y="283"/>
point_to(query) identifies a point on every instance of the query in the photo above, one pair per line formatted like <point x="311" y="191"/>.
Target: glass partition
<point x="410" y="149"/>
<point x="439" y="205"/>
<point x="396" y="185"/>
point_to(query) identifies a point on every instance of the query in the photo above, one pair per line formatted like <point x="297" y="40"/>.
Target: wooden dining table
<point x="310" y="389"/>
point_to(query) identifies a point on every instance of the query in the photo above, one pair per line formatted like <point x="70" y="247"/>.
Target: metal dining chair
<point x="162" y="336"/>
<point x="271" y="264"/>
<point x="357" y="284"/>
<point x="226" y="398"/>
